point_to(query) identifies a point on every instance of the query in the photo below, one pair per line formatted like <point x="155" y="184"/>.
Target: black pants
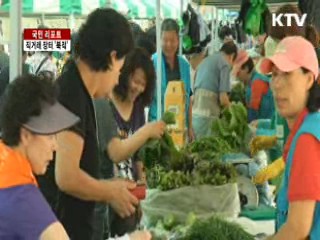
<point x="107" y="223"/>
<point x="76" y="216"/>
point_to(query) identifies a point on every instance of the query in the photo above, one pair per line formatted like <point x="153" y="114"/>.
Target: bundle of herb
<point x="160" y="152"/>
<point x="238" y="93"/>
<point x="216" y="229"/>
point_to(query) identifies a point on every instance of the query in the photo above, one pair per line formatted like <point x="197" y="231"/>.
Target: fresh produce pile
<point x="214" y="173"/>
<point x="170" y="225"/>
<point x="214" y="228"/>
<point x="233" y="127"/>
<point x="208" y="148"/>
<point x="169" y="228"/>
<point x="197" y="163"/>
<point x="169" y="180"/>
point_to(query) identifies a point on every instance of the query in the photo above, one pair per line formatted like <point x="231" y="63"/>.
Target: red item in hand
<point x="139" y="192"/>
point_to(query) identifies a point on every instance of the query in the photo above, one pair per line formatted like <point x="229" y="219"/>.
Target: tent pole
<point x="72" y="22"/>
<point x="15" y="39"/>
<point x="181" y="33"/>
<point x="213" y="27"/>
<point x="216" y="39"/>
<point x="159" y="60"/>
<point x="42" y="19"/>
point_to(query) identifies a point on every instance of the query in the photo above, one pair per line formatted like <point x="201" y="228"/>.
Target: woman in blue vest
<point x="294" y="68"/>
<point x="174" y="67"/>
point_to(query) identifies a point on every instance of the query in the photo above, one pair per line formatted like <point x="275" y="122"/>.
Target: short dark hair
<point x="144" y="42"/>
<point x="224" y="32"/>
<point x="151" y="35"/>
<point x="104" y="31"/>
<point x="138" y="58"/>
<point x="170" y="24"/>
<point x="22" y="100"/>
<point x="136" y="30"/>
<point x="230" y="48"/>
<point x="249" y="65"/>
<point x="74" y="45"/>
<point x="313" y="103"/>
<point x="312" y="35"/>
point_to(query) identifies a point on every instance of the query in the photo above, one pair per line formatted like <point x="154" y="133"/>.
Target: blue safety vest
<point x="310" y="125"/>
<point x="266" y="108"/>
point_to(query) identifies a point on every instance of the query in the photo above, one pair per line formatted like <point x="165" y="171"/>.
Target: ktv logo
<point x="286" y="19"/>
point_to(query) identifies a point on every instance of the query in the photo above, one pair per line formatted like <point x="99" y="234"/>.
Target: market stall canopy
<point x="235" y="4"/>
<point x="134" y="8"/>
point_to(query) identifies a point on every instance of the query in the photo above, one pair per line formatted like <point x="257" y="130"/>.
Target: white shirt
<point x="36" y="59"/>
<point x="124" y="237"/>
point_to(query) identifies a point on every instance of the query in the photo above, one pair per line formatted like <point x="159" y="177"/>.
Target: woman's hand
<point x="191" y="135"/>
<point x="140" y="235"/>
<point x="155" y="129"/>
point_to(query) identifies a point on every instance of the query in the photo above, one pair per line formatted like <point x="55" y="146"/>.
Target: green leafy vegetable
<point x="214" y="173"/>
<point x="168" y="168"/>
<point x="169" y="117"/>
<point x="238" y="93"/>
<point x="233" y="127"/>
<point x="174" y="180"/>
<point x="216" y="229"/>
<point x="169" y="222"/>
<point x="160" y="151"/>
<point x="208" y="148"/>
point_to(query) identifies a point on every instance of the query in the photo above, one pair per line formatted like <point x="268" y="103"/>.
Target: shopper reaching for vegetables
<point x="294" y="69"/>
<point x="122" y="131"/>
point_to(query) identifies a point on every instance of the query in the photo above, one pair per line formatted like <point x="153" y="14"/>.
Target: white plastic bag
<point x="203" y="201"/>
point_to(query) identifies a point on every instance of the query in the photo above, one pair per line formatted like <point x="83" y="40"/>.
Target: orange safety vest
<point x="15" y="169"/>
